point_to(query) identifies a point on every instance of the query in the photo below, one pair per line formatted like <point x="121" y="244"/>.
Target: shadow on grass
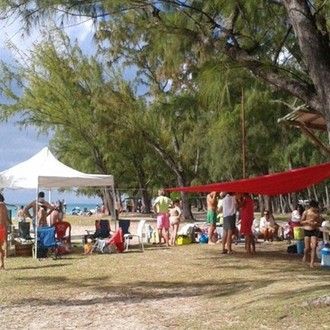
<point x="39" y="266"/>
<point x="140" y="291"/>
<point x="301" y="292"/>
<point x="265" y="262"/>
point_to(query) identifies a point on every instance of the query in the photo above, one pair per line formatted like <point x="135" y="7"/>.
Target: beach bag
<point x="42" y="252"/>
<point x="203" y="239"/>
<point x="292" y="248"/>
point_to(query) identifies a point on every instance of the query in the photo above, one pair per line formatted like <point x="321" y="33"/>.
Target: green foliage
<point x="188" y="125"/>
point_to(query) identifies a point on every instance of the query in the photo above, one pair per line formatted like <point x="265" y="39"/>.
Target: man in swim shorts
<point x="211" y="216"/>
<point x="161" y="207"/>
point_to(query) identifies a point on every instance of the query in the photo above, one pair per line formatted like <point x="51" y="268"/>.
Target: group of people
<point x="241" y="207"/>
<point x="168" y="215"/>
<point x="229" y="204"/>
<point x="40" y="211"/>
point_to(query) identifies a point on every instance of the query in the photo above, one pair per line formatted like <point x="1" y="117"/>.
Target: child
<point x="88" y="247"/>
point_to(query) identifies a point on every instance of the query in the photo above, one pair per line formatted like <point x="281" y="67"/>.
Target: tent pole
<point x="36" y="224"/>
<point x="113" y="211"/>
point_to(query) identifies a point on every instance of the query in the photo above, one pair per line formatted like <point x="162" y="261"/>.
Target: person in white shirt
<point x="268" y="226"/>
<point x="229" y="208"/>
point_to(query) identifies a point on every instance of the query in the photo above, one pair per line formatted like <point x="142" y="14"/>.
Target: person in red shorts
<point x="3" y="231"/>
<point x="246" y="206"/>
<point x="161" y="206"/>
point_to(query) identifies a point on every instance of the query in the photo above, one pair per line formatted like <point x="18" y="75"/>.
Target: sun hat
<point x="295" y="216"/>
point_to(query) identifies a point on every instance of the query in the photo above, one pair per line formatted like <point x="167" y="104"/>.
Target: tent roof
<point x="309" y="122"/>
<point x="45" y="171"/>
<point x="310" y="119"/>
<point x="271" y="184"/>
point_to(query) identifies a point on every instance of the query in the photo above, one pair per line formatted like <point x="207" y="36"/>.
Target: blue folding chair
<point x="46" y="242"/>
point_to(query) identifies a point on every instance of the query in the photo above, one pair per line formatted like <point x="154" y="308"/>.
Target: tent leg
<point x="36" y="226"/>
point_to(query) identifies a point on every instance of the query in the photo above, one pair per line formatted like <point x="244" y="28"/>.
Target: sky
<point x="17" y="143"/>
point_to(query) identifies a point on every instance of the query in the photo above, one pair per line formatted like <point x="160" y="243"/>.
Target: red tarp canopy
<point x="271" y="184"/>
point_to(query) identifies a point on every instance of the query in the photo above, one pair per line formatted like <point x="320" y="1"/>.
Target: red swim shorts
<point x="3" y="233"/>
<point x="163" y="221"/>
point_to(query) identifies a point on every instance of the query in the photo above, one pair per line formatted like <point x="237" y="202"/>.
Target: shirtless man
<point x="211" y="216"/>
<point x="42" y="212"/>
<point x="311" y="221"/>
<point x="3" y="231"/>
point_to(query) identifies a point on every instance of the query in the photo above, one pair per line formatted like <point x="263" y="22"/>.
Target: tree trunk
<point x="141" y="177"/>
<point x="327" y="197"/>
<point x="315" y="50"/>
<point x="267" y="203"/>
<point x="146" y="201"/>
<point x="108" y="202"/>
<point x="282" y="204"/>
<point x="186" y="207"/>
<point x="315" y="193"/>
<point x="177" y="169"/>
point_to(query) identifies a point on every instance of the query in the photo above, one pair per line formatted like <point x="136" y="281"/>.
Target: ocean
<point x="69" y="207"/>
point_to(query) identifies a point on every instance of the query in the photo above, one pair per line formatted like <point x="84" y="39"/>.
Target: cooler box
<point x="300" y="246"/>
<point x="23" y="250"/>
<point x="325" y="257"/>
<point x="298" y="233"/>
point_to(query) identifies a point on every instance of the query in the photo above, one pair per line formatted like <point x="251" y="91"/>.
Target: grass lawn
<point x="184" y="287"/>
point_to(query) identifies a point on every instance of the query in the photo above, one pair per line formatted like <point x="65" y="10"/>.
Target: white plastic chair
<point x="140" y="234"/>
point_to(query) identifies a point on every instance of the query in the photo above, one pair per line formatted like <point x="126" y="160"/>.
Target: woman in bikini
<point x="175" y="215"/>
<point x="311" y="221"/>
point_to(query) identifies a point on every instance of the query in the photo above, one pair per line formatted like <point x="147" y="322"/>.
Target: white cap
<point x="295" y="216"/>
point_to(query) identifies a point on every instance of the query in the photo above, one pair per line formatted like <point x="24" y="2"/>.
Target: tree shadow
<point x="140" y="291"/>
<point x="38" y="267"/>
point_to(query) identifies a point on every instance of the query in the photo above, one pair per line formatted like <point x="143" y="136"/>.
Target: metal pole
<point x="243" y="135"/>
<point x="36" y="224"/>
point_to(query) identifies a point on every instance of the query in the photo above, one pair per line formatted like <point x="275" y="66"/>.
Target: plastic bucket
<point x="325" y="257"/>
<point x="298" y="233"/>
<point x="300" y="246"/>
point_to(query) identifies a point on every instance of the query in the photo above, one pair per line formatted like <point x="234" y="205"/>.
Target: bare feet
<point x="211" y="243"/>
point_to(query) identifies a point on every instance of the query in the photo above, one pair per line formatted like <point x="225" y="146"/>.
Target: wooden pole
<point x="243" y="135"/>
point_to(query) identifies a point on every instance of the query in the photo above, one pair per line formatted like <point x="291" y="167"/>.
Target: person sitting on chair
<point x="268" y="227"/>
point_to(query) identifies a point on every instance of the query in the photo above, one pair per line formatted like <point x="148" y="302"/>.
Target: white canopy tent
<point x="44" y="171"/>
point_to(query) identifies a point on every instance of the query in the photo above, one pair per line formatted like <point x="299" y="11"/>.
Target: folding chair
<point x="46" y="241"/>
<point x="124" y="225"/>
<point x="63" y="236"/>
<point x="102" y="230"/>
<point x="140" y="235"/>
<point x="24" y="230"/>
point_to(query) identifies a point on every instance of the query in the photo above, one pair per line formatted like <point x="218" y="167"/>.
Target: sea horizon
<point x="69" y="207"/>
